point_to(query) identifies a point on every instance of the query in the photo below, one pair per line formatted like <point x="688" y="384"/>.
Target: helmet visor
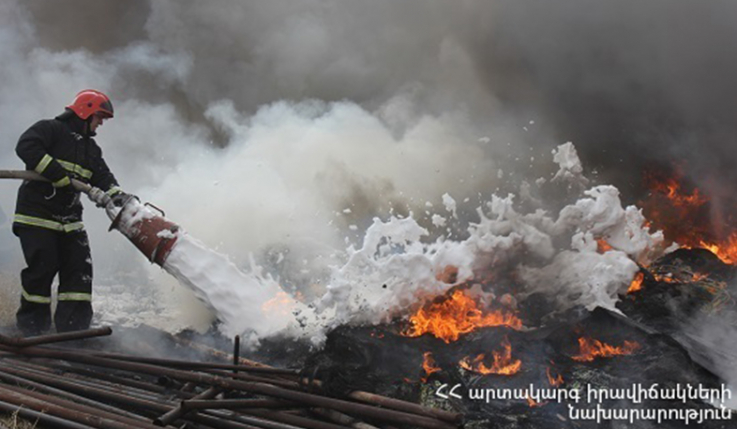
<point x="106" y="109"/>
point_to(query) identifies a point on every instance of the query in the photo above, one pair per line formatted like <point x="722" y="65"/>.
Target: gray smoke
<point x="290" y="124"/>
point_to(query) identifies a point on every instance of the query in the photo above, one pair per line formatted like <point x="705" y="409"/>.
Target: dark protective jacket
<point x="60" y="149"/>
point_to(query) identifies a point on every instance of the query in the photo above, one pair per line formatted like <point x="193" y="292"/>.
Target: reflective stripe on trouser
<point x="75" y="296"/>
<point x="47" y="223"/>
<point x="47" y="254"/>
<point x="38" y="299"/>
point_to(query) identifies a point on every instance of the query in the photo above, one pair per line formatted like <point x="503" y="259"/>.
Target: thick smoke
<point x="280" y="129"/>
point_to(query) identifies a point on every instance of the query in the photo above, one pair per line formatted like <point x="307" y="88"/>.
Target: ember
<point x="428" y="364"/>
<point x="459" y="314"/>
<point x="592" y="349"/>
<point x="602" y="246"/>
<point x="636" y="283"/>
<point x="503" y="363"/>
<point x="554" y="381"/>
<point x="532" y="403"/>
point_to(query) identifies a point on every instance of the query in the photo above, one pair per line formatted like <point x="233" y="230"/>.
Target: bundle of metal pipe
<point x="79" y="388"/>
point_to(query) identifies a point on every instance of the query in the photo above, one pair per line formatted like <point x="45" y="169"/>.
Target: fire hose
<point x="153" y="234"/>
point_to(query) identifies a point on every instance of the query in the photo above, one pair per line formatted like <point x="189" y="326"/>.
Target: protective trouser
<point x="47" y="254"/>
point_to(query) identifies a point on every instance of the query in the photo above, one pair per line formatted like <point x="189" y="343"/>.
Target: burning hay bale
<point x="678" y="287"/>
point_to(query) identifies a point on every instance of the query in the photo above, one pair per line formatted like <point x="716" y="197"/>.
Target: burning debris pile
<point x="532" y="337"/>
<point x="511" y="376"/>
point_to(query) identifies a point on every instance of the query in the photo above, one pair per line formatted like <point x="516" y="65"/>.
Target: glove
<point x="120" y="198"/>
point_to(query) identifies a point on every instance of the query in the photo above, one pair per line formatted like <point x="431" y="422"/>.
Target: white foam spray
<point x="396" y="269"/>
<point x="240" y="300"/>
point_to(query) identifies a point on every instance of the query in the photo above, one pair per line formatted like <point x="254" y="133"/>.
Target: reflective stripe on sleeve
<point x="62" y="182"/>
<point x="74" y="168"/>
<point x="75" y="296"/>
<point x="48" y="224"/>
<point x="38" y="299"/>
<point x="45" y="161"/>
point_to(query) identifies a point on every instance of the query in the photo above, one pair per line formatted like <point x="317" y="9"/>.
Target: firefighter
<point x="48" y="215"/>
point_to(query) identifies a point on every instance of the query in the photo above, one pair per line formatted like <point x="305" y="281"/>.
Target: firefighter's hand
<point x="98" y="197"/>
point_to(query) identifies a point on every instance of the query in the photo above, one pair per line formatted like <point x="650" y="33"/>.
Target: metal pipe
<point x="197" y="365"/>
<point x="342" y="419"/>
<point x="236" y="352"/>
<point x="302" y="422"/>
<point x="115" y="381"/>
<point x="149" y="404"/>
<point x="246" y="377"/>
<point x="218" y="353"/>
<point x="41" y="417"/>
<point x="255" y="421"/>
<point x="408" y="407"/>
<point x="397" y="404"/>
<point x="94" y="383"/>
<point x="96" y="392"/>
<point x="255" y="387"/>
<point x="180" y="411"/>
<point x="55" y="338"/>
<point x="69" y="410"/>
<point x="156" y="406"/>
<point x="231" y="404"/>
<point x="20" y="380"/>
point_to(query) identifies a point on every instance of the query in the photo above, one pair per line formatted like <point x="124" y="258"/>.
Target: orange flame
<point x="699" y="276"/>
<point x="686" y="218"/>
<point x="592" y="349"/>
<point x="532" y="403"/>
<point x="428" y="364"/>
<point x="726" y="251"/>
<point x="503" y="362"/>
<point x="281" y="304"/>
<point x="554" y="381"/>
<point x="454" y="316"/>
<point x="636" y="282"/>
<point x="672" y="190"/>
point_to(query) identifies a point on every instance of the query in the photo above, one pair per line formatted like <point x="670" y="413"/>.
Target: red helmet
<point x="90" y="102"/>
